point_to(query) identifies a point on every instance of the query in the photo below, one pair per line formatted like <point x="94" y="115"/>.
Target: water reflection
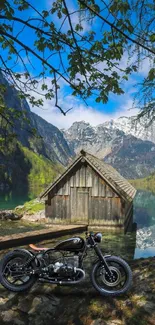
<point x="144" y="216"/>
<point x="11" y="199"/>
<point x="144" y="209"/>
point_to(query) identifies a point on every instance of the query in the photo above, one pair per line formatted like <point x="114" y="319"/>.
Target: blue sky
<point x="93" y="112"/>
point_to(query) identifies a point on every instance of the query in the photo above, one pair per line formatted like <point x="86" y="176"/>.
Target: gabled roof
<point x="120" y="185"/>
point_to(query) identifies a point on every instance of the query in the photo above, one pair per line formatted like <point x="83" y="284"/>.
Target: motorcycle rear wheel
<point x="122" y="277"/>
<point x="12" y="280"/>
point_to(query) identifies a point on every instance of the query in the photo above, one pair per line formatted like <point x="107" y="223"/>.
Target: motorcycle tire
<point x="4" y="263"/>
<point x="115" y="288"/>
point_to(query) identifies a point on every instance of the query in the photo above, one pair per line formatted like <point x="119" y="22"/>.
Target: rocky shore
<point x="82" y="305"/>
<point x="9" y="215"/>
<point x="32" y="211"/>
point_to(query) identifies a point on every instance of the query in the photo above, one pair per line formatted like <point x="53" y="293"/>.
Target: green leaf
<point x="45" y="13"/>
<point x="152" y="38"/>
<point x="151" y="75"/>
<point x="59" y="14"/>
<point x="98" y="99"/>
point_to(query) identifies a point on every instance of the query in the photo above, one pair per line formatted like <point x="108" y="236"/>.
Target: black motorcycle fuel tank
<point x="72" y="244"/>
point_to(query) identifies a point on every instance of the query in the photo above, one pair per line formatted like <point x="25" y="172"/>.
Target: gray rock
<point x="9" y="316"/>
<point x="149" y="307"/>
<point x="98" y="322"/>
<point x="9" y="215"/>
<point x="39" y="216"/>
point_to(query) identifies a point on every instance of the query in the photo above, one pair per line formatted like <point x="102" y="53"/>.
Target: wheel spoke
<point x="11" y="271"/>
<point x="14" y="281"/>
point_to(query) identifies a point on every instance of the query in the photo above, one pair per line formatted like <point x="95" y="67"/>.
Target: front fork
<point x="103" y="260"/>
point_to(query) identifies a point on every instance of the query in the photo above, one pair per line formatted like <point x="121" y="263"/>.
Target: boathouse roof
<point x="109" y="174"/>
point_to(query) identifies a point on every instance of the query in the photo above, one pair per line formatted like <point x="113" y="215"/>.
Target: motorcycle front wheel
<point x="122" y="277"/>
<point x="12" y="275"/>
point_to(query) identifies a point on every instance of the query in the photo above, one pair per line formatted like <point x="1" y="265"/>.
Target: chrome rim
<point x="116" y="275"/>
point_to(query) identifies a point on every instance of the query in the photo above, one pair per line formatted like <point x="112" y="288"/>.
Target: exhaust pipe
<point x="65" y="282"/>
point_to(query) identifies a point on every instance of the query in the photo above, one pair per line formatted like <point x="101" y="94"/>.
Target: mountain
<point x="56" y="147"/>
<point x="49" y="140"/>
<point x="131" y="156"/>
<point x="29" y="160"/>
<point x="141" y="128"/>
<point x="97" y="140"/>
<point x="126" y="144"/>
<point x="21" y="169"/>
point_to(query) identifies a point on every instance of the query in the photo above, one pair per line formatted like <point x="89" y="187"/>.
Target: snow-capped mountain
<point x="140" y="128"/>
<point x="130" y="155"/>
<point x="97" y="140"/>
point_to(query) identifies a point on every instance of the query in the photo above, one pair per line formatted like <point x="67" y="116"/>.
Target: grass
<point x="30" y="207"/>
<point x="16" y="227"/>
<point x="42" y="171"/>
<point x="147" y="183"/>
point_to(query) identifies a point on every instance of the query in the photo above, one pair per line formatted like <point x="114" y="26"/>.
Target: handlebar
<point x="91" y="233"/>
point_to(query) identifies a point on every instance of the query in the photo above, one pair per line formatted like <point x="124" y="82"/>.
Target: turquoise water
<point x="144" y="217"/>
<point x="11" y="199"/>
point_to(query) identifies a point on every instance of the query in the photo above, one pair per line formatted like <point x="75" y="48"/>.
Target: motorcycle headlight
<point x="98" y="237"/>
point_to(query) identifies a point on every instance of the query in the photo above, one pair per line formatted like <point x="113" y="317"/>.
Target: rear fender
<point x="24" y="250"/>
<point x="30" y="253"/>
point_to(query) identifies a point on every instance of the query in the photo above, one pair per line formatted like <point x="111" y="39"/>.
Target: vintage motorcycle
<point x="63" y="265"/>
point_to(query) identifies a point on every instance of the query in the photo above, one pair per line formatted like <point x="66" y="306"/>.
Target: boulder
<point x="37" y="217"/>
<point x="9" y="215"/>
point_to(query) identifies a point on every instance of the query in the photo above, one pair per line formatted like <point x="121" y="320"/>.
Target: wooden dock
<point x="22" y="239"/>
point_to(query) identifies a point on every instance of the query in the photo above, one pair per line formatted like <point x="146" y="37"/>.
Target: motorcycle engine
<point x="66" y="267"/>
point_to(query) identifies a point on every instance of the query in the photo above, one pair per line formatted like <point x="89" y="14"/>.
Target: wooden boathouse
<point x="89" y="192"/>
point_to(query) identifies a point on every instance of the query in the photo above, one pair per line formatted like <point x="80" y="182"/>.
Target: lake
<point x="11" y="199"/>
<point x="140" y="242"/>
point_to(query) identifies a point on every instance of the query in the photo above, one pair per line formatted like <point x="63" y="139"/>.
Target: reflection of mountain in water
<point x="144" y="216"/>
<point x="145" y="237"/>
<point x="144" y="209"/>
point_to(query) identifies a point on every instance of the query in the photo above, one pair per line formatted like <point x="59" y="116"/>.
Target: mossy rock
<point x="30" y="207"/>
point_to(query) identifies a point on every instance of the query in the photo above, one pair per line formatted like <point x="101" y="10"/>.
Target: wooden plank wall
<point x="103" y="204"/>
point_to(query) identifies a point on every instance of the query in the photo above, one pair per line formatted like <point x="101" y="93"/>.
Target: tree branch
<point x="56" y="95"/>
<point x="116" y="28"/>
<point x="28" y="49"/>
<point x="26" y="23"/>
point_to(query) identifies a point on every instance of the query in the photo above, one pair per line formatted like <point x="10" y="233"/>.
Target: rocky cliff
<point x="140" y="128"/>
<point x="48" y="141"/>
<point x="131" y="156"/>
<point x="56" y="147"/>
<point x="29" y="159"/>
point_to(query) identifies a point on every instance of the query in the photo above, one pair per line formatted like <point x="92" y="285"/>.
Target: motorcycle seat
<point x="35" y="248"/>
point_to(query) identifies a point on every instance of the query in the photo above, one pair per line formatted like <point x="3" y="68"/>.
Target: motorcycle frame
<point x="89" y="243"/>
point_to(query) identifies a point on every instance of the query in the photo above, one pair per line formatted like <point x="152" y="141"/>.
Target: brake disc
<point x="116" y="277"/>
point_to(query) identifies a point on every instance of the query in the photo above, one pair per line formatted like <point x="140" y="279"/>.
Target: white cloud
<point x="80" y="111"/>
<point x="75" y="17"/>
<point x="145" y="66"/>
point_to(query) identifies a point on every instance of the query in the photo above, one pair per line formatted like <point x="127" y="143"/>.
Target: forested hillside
<point x="33" y="152"/>
<point x="23" y="168"/>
